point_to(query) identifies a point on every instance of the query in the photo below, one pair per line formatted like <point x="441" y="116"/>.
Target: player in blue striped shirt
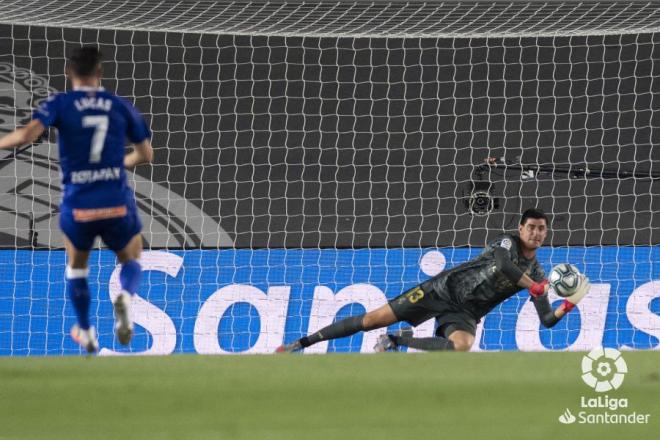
<point x="93" y="125"/>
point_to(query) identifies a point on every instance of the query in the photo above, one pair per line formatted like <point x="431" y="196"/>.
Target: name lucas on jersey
<point x="89" y="176"/>
<point x="94" y="103"/>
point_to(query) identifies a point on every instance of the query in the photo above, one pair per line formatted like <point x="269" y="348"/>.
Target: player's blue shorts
<point x="82" y="226"/>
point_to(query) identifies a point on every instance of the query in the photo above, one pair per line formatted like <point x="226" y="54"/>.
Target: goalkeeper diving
<point x="458" y="298"/>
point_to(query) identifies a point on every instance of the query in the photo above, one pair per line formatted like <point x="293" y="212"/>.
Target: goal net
<point x="316" y="159"/>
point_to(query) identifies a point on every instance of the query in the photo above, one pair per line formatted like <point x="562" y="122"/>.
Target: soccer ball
<point x="565" y="279"/>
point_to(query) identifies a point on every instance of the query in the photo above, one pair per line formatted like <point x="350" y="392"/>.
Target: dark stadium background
<point x="355" y="142"/>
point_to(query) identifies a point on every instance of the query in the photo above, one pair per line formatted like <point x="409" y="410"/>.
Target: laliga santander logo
<point x="603" y="369"/>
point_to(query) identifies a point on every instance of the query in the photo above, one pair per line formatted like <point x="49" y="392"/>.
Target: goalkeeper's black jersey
<point x="477" y="286"/>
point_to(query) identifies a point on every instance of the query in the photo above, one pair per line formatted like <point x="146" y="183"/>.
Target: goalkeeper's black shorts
<point x="422" y="303"/>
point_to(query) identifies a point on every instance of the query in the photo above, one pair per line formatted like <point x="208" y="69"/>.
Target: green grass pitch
<point x="387" y="396"/>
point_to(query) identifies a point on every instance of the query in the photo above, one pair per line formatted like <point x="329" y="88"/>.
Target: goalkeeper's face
<point x="533" y="232"/>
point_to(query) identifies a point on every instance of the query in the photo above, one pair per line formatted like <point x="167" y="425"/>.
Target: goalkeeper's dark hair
<point x="84" y="60"/>
<point x="535" y="214"/>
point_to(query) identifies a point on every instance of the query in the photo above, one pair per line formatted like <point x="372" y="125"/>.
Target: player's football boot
<point x="85" y="338"/>
<point x="385" y="342"/>
<point x="289" y="348"/>
<point x="123" y="323"/>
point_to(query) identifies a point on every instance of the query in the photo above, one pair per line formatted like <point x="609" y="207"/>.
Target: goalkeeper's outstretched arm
<point x="547" y="316"/>
<point x="539" y="293"/>
<point x="539" y="290"/>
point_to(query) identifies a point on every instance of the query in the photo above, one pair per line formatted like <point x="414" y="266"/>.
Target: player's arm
<point x="23" y="135"/>
<point x="538" y="290"/>
<point x="539" y="296"/>
<point x="541" y="302"/>
<point x="539" y="293"/>
<point x="44" y="116"/>
<point x="142" y="153"/>
<point x="547" y="316"/>
<point x="138" y="134"/>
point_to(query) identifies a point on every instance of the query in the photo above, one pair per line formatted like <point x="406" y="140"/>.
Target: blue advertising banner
<point x="250" y="301"/>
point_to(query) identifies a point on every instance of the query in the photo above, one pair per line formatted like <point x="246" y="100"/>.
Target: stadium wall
<point x="248" y="301"/>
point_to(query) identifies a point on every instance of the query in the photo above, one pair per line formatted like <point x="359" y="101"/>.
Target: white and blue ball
<point x="564" y="279"/>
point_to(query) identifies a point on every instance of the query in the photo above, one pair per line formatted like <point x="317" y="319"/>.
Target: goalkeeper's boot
<point x="289" y="348"/>
<point x="85" y="338"/>
<point x="386" y="343"/>
<point x="123" y="323"/>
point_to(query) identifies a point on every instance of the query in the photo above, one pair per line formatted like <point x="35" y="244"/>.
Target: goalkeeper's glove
<point x="538" y="289"/>
<point x="580" y="292"/>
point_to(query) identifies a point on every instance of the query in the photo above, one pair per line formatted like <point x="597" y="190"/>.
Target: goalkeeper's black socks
<point x="428" y="344"/>
<point x="339" y="329"/>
